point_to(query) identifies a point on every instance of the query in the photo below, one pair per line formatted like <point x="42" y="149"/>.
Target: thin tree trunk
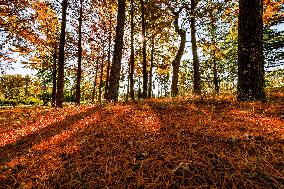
<point x="196" y="65"/>
<point x="131" y="76"/>
<point x="60" y="81"/>
<point x="117" y="54"/>
<point x="144" y="63"/>
<point x="250" y="51"/>
<point x="95" y="81"/>
<point x="213" y="54"/>
<point x="101" y="79"/>
<point x="108" y="60"/>
<point x="79" y="70"/>
<point x="54" y="74"/>
<point x="151" y="69"/>
<point x="176" y="61"/>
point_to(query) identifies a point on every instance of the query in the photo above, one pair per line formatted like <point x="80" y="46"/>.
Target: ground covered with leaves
<point x="215" y="142"/>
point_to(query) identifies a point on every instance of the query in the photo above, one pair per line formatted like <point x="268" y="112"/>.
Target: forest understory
<point x="184" y="142"/>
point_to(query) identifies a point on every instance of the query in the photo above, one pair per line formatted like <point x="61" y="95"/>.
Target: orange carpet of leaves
<point x="157" y="143"/>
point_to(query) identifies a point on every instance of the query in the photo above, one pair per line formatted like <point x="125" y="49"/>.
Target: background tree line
<point x="92" y="50"/>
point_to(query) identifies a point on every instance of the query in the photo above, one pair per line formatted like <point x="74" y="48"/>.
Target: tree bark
<point x="151" y="69"/>
<point x="131" y="76"/>
<point x="196" y="65"/>
<point x="144" y="63"/>
<point x="250" y="51"/>
<point x="101" y="80"/>
<point x="54" y="74"/>
<point x="117" y="54"/>
<point x="79" y="70"/>
<point x="95" y="81"/>
<point x="109" y="54"/>
<point x="176" y="61"/>
<point x="213" y="54"/>
<point x="60" y="80"/>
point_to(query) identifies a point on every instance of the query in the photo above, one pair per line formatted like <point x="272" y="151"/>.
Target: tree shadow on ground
<point x="178" y="144"/>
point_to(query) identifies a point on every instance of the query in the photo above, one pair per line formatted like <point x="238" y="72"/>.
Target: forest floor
<point x="185" y="142"/>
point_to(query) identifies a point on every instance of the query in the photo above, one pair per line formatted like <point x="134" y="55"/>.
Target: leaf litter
<point x="215" y="142"/>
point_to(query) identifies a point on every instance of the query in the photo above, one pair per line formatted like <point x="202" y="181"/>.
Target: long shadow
<point x="24" y="144"/>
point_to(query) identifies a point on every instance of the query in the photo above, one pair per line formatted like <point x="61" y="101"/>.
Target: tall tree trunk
<point x="108" y="57"/>
<point x="250" y="51"/>
<point x="176" y="61"/>
<point x="151" y="69"/>
<point x="196" y="65"/>
<point x="95" y="81"/>
<point x="117" y="54"/>
<point x="54" y="74"/>
<point x="60" y="79"/>
<point x="101" y="79"/>
<point x="79" y="70"/>
<point x="213" y="54"/>
<point x="131" y="76"/>
<point x="144" y="63"/>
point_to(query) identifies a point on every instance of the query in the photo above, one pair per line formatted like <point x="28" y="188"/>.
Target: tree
<point x="79" y="70"/>
<point x="250" y="51"/>
<point x="196" y="64"/>
<point x="117" y="54"/>
<point x="60" y="79"/>
<point x="176" y="61"/>
<point x="144" y="62"/>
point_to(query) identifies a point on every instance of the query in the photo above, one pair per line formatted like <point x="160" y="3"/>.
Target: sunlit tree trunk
<point x="79" y="70"/>
<point x="250" y="51"/>
<point x="196" y="65"/>
<point x="60" y="81"/>
<point x="117" y="54"/>
<point x="144" y="63"/>
<point x="131" y="75"/>
<point x="176" y="61"/>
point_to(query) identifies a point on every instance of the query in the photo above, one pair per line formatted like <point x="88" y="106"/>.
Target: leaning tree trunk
<point x="144" y="63"/>
<point x="176" y="61"/>
<point x="117" y="54"/>
<point x="196" y="65"/>
<point x="79" y="70"/>
<point x="54" y="74"/>
<point x="250" y="51"/>
<point x="60" y="79"/>
<point x="131" y="75"/>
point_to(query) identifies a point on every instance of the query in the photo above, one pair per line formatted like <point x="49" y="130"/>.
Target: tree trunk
<point x="131" y="76"/>
<point x="108" y="60"/>
<point x="60" y="81"/>
<point x="117" y="54"/>
<point x="54" y="74"/>
<point x="250" y="51"/>
<point x="79" y="70"/>
<point x="95" y="81"/>
<point x="196" y="65"/>
<point x="101" y="80"/>
<point x="176" y="61"/>
<point x="213" y="54"/>
<point x="151" y="69"/>
<point x="144" y="63"/>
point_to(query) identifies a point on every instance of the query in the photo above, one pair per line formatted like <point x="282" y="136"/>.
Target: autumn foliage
<point x="158" y="143"/>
